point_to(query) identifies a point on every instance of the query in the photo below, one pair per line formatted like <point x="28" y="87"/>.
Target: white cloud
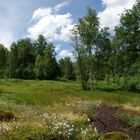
<point x="57" y="48"/>
<point x="55" y="27"/>
<point x="6" y="38"/>
<point x="60" y="5"/>
<point x="41" y="12"/>
<point x="65" y="53"/>
<point x="113" y="2"/>
<point x="109" y="17"/>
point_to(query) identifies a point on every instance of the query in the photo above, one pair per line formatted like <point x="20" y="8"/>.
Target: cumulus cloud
<point x="41" y="12"/>
<point x="109" y="17"/>
<point x="57" y="48"/>
<point x="60" y="5"/>
<point x="54" y="26"/>
<point x="6" y="38"/>
<point x="65" y="53"/>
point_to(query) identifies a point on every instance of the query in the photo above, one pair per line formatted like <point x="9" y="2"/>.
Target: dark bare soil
<point x="107" y="120"/>
<point x="6" y="116"/>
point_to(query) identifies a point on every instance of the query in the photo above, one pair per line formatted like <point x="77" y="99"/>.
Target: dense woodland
<point x="100" y="54"/>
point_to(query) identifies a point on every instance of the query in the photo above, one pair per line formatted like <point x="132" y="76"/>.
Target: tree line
<point x="99" y="55"/>
<point x="29" y="59"/>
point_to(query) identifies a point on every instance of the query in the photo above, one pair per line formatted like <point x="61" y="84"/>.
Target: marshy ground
<point x="41" y="110"/>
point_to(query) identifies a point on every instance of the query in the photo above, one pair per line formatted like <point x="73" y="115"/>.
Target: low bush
<point x="133" y="121"/>
<point x="131" y="84"/>
<point x="116" y="136"/>
<point x="91" y="111"/>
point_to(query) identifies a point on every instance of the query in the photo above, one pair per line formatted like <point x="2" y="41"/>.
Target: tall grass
<point x="53" y="92"/>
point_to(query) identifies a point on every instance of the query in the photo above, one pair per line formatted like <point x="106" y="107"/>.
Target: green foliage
<point x="91" y="111"/>
<point x="3" y="60"/>
<point x="67" y="68"/>
<point x="103" y="52"/>
<point x="22" y="59"/>
<point x="127" y="46"/>
<point x="46" y="66"/>
<point x="131" y="84"/>
<point x="133" y="121"/>
<point x="51" y="66"/>
<point x="39" y="66"/>
<point x="40" y="44"/>
<point x="84" y="38"/>
<point x="116" y="136"/>
<point x="31" y="60"/>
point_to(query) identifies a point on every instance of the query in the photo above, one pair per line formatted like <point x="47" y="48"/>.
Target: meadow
<point x="40" y="110"/>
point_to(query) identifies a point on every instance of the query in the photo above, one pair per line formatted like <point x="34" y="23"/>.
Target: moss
<point x="116" y="136"/>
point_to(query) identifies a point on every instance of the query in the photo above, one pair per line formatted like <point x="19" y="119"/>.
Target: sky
<point x="54" y="19"/>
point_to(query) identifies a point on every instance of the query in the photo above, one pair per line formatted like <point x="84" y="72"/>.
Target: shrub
<point x="87" y="108"/>
<point x="116" y="136"/>
<point x="90" y="111"/>
<point x="133" y="121"/>
<point x="131" y="84"/>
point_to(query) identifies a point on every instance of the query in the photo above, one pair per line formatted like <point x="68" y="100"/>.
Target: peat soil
<point x="106" y="120"/>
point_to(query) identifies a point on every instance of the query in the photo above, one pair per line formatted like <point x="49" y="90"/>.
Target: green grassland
<point x="31" y="100"/>
<point x="50" y="92"/>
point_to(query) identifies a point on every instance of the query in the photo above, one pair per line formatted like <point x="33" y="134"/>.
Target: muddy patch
<point x="107" y="120"/>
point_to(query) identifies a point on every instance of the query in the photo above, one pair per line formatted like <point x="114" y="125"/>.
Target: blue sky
<point x="54" y="19"/>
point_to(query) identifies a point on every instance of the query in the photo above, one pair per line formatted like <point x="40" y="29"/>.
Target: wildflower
<point x="88" y="120"/>
<point x="95" y="129"/>
<point x="60" y="132"/>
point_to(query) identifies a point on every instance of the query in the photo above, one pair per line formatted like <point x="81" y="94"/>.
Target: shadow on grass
<point x="110" y="89"/>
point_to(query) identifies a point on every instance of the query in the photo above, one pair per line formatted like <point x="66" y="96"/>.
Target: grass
<point x="132" y="121"/>
<point x="116" y="136"/>
<point x="51" y="92"/>
<point x="29" y="100"/>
